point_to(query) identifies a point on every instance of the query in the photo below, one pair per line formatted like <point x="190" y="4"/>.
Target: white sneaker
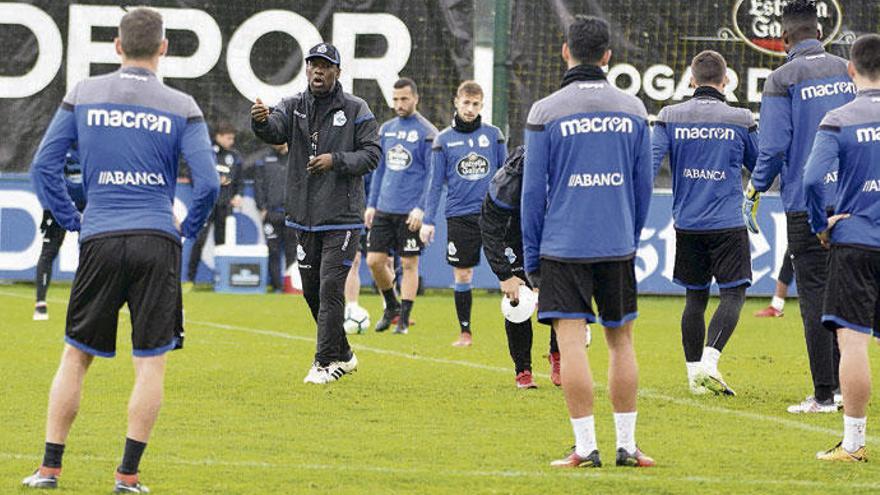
<point x="811" y="405"/>
<point x="713" y="382"/>
<point x="349" y="366"/>
<point x="41" y="312"/>
<point x="838" y="400"/>
<point x="317" y="375"/>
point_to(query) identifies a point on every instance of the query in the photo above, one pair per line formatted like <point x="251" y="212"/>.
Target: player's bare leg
<point x="65" y="394"/>
<point x="855" y="383"/>
<point x="463" y="302"/>
<point x="623" y="388"/>
<point x="577" y="387"/>
<point x="383" y="276"/>
<point x="353" y="281"/>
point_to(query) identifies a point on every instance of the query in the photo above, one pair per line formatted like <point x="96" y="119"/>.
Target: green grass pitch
<point x="419" y="416"/>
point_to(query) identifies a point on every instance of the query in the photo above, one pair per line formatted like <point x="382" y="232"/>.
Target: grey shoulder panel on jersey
<point x="856" y="112"/>
<point x="585" y="97"/>
<point x="707" y="111"/>
<point x="803" y="69"/>
<point x="134" y="89"/>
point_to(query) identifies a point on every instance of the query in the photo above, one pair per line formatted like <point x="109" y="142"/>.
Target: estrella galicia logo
<point x="398" y="158"/>
<point x="473" y="167"/>
<point x="759" y="23"/>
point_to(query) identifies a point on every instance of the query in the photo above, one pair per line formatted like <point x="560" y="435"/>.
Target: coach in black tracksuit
<point x="270" y="184"/>
<point x="502" y="244"/>
<point x="333" y="141"/>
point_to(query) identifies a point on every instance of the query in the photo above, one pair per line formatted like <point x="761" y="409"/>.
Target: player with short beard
<point x="711" y="240"/>
<point x="396" y="205"/>
<point x="465" y="157"/>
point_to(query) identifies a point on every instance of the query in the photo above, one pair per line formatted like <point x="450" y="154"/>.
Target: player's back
<point x="130" y="130"/>
<point x="708" y="142"/>
<point x="588" y="144"/>
<point x="856" y="127"/>
<point x="812" y="83"/>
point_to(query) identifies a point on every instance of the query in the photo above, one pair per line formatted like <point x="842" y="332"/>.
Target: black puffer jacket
<point x="347" y="129"/>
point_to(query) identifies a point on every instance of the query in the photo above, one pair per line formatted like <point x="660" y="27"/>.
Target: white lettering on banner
<point x="50" y="50"/>
<point x="647" y="254"/>
<point x="596" y="180"/>
<point x="124" y="118"/>
<point x="830" y="89"/>
<point x="868" y="134"/>
<point x="704" y="174"/>
<point x="596" y="124"/>
<point x="720" y="133"/>
<point x="82" y="51"/>
<point x="120" y="178"/>
<point x="871" y="185"/>
<point x="667" y="235"/>
<point x="25" y="258"/>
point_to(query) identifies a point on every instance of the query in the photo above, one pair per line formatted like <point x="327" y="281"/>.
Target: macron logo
<point x="830" y="89"/>
<point x="596" y="124"/>
<point x="120" y="178"/>
<point x="614" y="179"/>
<point x="868" y="134"/>
<point x="717" y="133"/>
<point x="128" y="119"/>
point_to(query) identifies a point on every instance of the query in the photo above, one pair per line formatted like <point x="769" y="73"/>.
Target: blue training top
<point x="850" y="136"/>
<point x="130" y="130"/>
<point x="466" y="163"/>
<point x="587" y="177"/>
<point x="400" y="182"/>
<point x="708" y="143"/>
<point x="796" y="98"/>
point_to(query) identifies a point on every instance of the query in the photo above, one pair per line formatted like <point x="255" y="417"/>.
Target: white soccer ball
<point x="357" y="320"/>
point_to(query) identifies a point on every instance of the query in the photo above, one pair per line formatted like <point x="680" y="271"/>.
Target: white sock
<point x="626" y="430"/>
<point x="853" y="433"/>
<point x="710" y="359"/>
<point x="692" y="369"/>
<point x="584" y="435"/>
<point x="777" y="303"/>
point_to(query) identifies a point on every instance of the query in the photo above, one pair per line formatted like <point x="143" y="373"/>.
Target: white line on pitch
<point x="646" y="393"/>
<point x="642" y="477"/>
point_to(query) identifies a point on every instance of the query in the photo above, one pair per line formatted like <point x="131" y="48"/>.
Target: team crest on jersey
<point x="511" y="256"/>
<point x="483" y="141"/>
<point x="229" y="159"/>
<point x="398" y="158"/>
<point x="268" y="229"/>
<point x="413" y="136"/>
<point x="473" y="167"/>
<point x="339" y="119"/>
<point x="451" y="249"/>
<point x="300" y="253"/>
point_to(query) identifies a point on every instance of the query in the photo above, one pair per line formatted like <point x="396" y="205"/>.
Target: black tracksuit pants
<point x="53" y="237"/>
<point x="276" y="241"/>
<point x="218" y="218"/>
<point x="810" y="259"/>
<point x="325" y="258"/>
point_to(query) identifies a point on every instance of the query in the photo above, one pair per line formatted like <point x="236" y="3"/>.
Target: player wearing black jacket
<point x="502" y="244"/>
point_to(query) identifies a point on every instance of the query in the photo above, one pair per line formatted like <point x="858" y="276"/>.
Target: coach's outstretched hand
<point x="259" y="112"/>
<point x="750" y="208"/>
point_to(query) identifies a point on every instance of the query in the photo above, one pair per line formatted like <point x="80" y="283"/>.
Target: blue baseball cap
<point x="326" y="51"/>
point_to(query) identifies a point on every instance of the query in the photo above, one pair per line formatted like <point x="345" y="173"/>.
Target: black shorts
<point x="852" y="294"/>
<point x="464" y="241"/>
<point x="722" y="254"/>
<point x="138" y="268"/>
<point x="390" y="233"/>
<point x="568" y="289"/>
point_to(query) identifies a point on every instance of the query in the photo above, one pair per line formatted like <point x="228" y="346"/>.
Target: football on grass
<point x="357" y="320"/>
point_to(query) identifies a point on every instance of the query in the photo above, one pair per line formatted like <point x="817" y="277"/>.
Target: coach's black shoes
<point x="388" y="317"/>
<point x="575" y="461"/>
<point x="44" y="478"/>
<point x="633" y="459"/>
<point x="129" y="483"/>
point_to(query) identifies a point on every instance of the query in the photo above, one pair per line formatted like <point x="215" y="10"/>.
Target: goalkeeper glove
<point x="750" y="208"/>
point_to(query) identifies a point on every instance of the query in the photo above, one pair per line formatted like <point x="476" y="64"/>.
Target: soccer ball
<point x="357" y="320"/>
